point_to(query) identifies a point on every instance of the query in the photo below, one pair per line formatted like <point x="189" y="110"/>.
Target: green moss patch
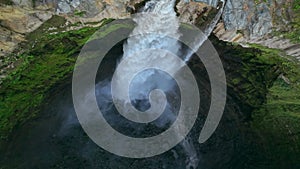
<point x="249" y="73"/>
<point x="47" y="63"/>
<point x="6" y="2"/>
<point x="294" y="33"/>
<point x="277" y="122"/>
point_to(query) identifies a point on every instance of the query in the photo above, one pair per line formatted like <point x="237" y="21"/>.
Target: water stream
<point x="157" y="22"/>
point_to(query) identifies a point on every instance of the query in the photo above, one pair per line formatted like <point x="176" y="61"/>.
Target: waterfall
<point x="154" y="25"/>
<point x="164" y="22"/>
<point x="160" y="18"/>
<point x="164" y="17"/>
<point x="209" y="28"/>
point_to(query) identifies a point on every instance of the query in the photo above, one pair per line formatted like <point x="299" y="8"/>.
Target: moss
<point x="33" y="3"/>
<point x="25" y="88"/>
<point x="294" y="33"/>
<point x="111" y="28"/>
<point x="6" y="2"/>
<point x="41" y="67"/>
<point x="266" y="85"/>
<point x="249" y="74"/>
<point x="54" y="22"/>
<point x="296" y="5"/>
<point x="80" y="13"/>
<point x="277" y="122"/>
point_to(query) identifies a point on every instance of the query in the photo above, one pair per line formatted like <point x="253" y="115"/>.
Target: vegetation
<point x="250" y="72"/>
<point x="80" y="13"/>
<point x="6" y="2"/>
<point x="294" y="33"/>
<point x="260" y="1"/>
<point x="48" y="62"/>
<point x="296" y="5"/>
<point x="265" y="82"/>
<point x="277" y="122"/>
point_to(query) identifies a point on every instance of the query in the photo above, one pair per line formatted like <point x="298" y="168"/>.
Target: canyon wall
<point x="243" y="21"/>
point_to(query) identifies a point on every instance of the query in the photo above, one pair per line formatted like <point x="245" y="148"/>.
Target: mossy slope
<point x="277" y="122"/>
<point x="40" y="67"/>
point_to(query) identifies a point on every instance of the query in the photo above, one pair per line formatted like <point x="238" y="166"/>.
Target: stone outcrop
<point x="243" y="21"/>
<point x="252" y="21"/>
<point x="269" y="41"/>
<point x="18" y="18"/>
<point x="16" y="22"/>
<point x="189" y="12"/>
<point x="254" y="18"/>
<point x="24" y="16"/>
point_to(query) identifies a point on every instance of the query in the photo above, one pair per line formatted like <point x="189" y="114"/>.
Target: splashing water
<point x="209" y="28"/>
<point x="157" y="22"/>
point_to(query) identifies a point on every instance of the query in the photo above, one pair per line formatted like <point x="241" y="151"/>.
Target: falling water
<point x="152" y="31"/>
<point x="165" y="23"/>
<point x="158" y="22"/>
<point x="209" y="28"/>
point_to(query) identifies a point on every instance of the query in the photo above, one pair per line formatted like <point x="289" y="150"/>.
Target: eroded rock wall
<point x="255" y="18"/>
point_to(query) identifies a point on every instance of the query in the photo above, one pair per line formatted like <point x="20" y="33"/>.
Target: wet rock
<point x="254" y="18"/>
<point x="245" y="15"/>
<point x="262" y="23"/>
<point x="23" y="3"/>
<point x="190" y="12"/>
<point x="9" y="40"/>
<point x="213" y="3"/>
<point x="64" y="7"/>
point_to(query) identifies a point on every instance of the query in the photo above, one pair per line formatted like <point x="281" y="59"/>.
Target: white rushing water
<point x="209" y="28"/>
<point x="152" y="30"/>
<point x="158" y="22"/>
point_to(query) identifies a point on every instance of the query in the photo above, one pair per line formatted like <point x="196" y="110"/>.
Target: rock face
<point x="189" y="12"/>
<point x="245" y="15"/>
<point x="251" y="21"/>
<point x="22" y="17"/>
<point x="58" y="131"/>
<point x="17" y="21"/>
<point x="25" y="16"/>
<point x="242" y="20"/>
<point x="209" y="2"/>
<point x="254" y="18"/>
<point x="9" y="40"/>
<point x="20" y="20"/>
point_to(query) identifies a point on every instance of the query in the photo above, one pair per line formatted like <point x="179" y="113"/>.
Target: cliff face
<point x="272" y="23"/>
<point x="23" y="16"/>
<point x="19" y="18"/>
<point x="52" y="32"/>
<point x="255" y="17"/>
<point x="58" y="129"/>
<point x="241" y="19"/>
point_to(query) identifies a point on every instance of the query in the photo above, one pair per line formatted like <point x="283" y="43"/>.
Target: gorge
<point x="260" y="126"/>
